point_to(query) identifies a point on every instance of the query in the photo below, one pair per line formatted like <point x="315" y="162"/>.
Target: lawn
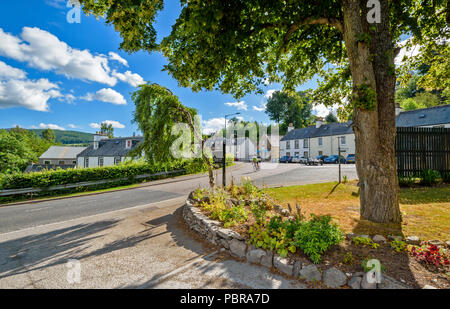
<point x="426" y="211"/>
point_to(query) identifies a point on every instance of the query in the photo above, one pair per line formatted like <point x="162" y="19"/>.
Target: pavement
<point x="132" y="239"/>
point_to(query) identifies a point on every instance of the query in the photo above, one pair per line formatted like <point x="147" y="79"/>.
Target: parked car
<point x="321" y="158"/>
<point x="350" y="159"/>
<point x="285" y="159"/>
<point x="312" y="161"/>
<point x="334" y="159"/>
<point x="298" y="159"/>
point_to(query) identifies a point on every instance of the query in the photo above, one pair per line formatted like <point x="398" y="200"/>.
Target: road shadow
<point x="24" y="254"/>
<point x="189" y="240"/>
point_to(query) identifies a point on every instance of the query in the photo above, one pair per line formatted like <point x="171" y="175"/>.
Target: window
<point x="305" y="143"/>
<point x="47" y="162"/>
<point x="342" y="140"/>
<point x="100" y="161"/>
<point x="74" y="162"/>
<point x="117" y="160"/>
<point x="61" y="162"/>
<point x="305" y="154"/>
<point x="320" y="141"/>
<point x="288" y="144"/>
<point x="320" y="153"/>
<point x="296" y="154"/>
<point x="296" y="144"/>
<point x="86" y="162"/>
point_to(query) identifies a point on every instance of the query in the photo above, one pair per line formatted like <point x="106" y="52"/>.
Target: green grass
<point x="426" y="211"/>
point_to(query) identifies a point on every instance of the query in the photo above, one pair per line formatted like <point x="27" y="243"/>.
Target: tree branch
<point x="336" y="23"/>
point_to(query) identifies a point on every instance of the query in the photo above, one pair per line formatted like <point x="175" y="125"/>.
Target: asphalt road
<point x="17" y="217"/>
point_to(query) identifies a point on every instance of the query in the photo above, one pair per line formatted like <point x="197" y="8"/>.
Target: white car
<point x="298" y="159"/>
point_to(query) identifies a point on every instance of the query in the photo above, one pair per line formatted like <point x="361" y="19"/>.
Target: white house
<point x="326" y="139"/>
<point x="106" y="151"/>
<point x="241" y="148"/>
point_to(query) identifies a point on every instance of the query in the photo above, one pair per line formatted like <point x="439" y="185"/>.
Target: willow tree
<point x="237" y="45"/>
<point x="158" y="112"/>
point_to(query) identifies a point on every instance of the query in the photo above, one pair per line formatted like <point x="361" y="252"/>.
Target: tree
<point x="107" y="128"/>
<point x="157" y="111"/>
<point x="289" y="108"/>
<point x="237" y="45"/>
<point x="49" y="135"/>
<point x="331" y="118"/>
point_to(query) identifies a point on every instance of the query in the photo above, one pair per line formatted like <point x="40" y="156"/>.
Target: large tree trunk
<point x="374" y="116"/>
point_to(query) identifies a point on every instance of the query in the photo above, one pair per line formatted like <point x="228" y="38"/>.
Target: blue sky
<point x="73" y="76"/>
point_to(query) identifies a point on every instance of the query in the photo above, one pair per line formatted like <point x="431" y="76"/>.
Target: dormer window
<point x="128" y="143"/>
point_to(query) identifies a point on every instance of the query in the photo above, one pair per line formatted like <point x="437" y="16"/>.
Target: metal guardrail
<point x="81" y="184"/>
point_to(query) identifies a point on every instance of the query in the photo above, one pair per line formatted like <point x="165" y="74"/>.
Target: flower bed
<point x="249" y="225"/>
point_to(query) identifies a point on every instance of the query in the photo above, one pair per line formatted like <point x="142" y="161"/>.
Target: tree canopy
<point x="289" y="107"/>
<point x="107" y="128"/>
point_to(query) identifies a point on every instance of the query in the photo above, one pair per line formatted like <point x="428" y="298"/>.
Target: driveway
<point x="130" y="239"/>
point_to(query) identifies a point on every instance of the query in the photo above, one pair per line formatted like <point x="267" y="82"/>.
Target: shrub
<point x="316" y="236"/>
<point x="429" y="177"/>
<point x="446" y="177"/>
<point x="399" y="245"/>
<point x="49" y="178"/>
<point x="345" y="179"/>
<point x="431" y="255"/>
<point x="259" y="212"/>
<point x="365" y="242"/>
<point x="407" y="181"/>
<point x="348" y="258"/>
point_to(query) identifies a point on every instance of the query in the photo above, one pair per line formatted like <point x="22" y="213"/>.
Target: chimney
<point x="398" y="109"/>
<point x="319" y="122"/>
<point x="291" y="127"/>
<point x="99" y="136"/>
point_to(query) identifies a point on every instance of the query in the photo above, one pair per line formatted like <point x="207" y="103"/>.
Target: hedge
<point x="49" y="178"/>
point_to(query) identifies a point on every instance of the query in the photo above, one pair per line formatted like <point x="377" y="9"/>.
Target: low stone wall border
<point x="236" y="245"/>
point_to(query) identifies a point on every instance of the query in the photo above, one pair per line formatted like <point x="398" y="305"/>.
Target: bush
<point x="365" y="242"/>
<point x="407" y="181"/>
<point x="429" y="177"/>
<point x="316" y="236"/>
<point x="399" y="245"/>
<point x="49" y="178"/>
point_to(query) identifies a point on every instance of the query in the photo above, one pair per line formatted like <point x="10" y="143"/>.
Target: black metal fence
<point x="421" y="149"/>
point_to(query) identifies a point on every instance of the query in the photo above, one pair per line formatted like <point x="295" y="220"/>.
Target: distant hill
<point x="69" y="137"/>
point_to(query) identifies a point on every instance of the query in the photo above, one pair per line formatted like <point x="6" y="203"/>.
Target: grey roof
<point x="334" y="128"/>
<point x="61" y="152"/>
<point x="424" y="117"/>
<point x="111" y="147"/>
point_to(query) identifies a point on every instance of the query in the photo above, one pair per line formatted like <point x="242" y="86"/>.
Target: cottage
<point x="326" y="139"/>
<point x="106" y="151"/>
<point x="56" y="157"/>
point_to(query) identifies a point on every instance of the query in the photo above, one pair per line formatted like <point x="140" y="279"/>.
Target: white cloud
<point x="239" y="105"/>
<point x="116" y="57"/>
<point x="8" y="72"/>
<point x="107" y="95"/>
<point x="42" y="50"/>
<point x="133" y="79"/>
<point x="213" y="125"/>
<point x="115" y="124"/>
<point x="406" y="52"/>
<point x="259" y="109"/>
<point x="48" y="126"/>
<point x="32" y="94"/>
<point x="71" y="125"/>
<point x="269" y="93"/>
<point x="323" y="111"/>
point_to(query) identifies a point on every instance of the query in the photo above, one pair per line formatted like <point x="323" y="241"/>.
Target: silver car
<point x="301" y="160"/>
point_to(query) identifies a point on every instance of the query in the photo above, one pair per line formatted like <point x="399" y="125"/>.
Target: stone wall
<point x="236" y="245"/>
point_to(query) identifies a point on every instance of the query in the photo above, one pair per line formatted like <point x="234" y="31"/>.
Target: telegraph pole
<point x="224" y="145"/>
<point x="339" y="157"/>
